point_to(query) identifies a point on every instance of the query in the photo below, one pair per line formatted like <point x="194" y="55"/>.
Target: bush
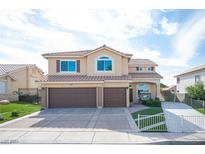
<point x="197" y="91"/>
<point x="1" y="118"/>
<point x="152" y="102"/>
<point x="14" y="114"/>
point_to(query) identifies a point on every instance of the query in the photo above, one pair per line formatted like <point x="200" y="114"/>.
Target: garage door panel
<point x="114" y="97"/>
<point x="72" y="97"/>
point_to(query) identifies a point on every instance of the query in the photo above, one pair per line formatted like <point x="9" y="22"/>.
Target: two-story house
<point x="190" y="77"/>
<point x="103" y="77"/>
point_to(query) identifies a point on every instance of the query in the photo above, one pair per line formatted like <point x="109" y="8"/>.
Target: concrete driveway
<point x="182" y="118"/>
<point x="83" y="119"/>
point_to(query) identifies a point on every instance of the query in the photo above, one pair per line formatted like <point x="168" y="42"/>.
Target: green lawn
<point x="151" y="121"/>
<point x="22" y="108"/>
<point x="201" y="110"/>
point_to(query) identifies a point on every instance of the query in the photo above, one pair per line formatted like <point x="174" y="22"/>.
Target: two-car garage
<point x="85" y="97"/>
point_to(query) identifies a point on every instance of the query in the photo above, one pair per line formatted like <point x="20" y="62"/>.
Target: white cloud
<point x="189" y="38"/>
<point x="119" y="24"/>
<point x="169" y="28"/>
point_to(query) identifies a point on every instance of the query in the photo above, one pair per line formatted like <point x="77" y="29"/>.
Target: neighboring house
<point x="190" y="77"/>
<point x="103" y="77"/>
<point x="14" y="76"/>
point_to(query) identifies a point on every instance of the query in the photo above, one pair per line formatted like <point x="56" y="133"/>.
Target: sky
<point x="174" y="39"/>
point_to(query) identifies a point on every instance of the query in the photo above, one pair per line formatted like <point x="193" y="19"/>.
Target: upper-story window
<point x="68" y="66"/>
<point x="197" y="78"/>
<point x="143" y="69"/>
<point x="178" y="80"/>
<point x="104" y="63"/>
<point x="150" y="68"/>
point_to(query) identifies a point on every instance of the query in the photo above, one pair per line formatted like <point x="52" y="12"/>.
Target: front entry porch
<point x="144" y="91"/>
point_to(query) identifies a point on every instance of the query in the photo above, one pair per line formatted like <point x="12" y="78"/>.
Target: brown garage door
<point x="114" y="97"/>
<point x="72" y="97"/>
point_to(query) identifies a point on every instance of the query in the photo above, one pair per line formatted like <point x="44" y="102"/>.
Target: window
<point x="2" y="87"/>
<point x="197" y="78"/>
<point x="178" y="80"/>
<point x="104" y="63"/>
<point x="141" y="69"/>
<point x="143" y="88"/>
<point x="150" y="68"/>
<point x="68" y="66"/>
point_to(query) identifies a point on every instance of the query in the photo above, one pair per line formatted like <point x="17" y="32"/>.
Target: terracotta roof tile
<point x="145" y="75"/>
<point x="81" y="52"/>
<point x="141" y="62"/>
<point x="9" y="68"/>
<point x="78" y="78"/>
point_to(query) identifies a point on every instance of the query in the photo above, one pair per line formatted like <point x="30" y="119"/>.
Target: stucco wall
<point x="88" y="64"/>
<point x="188" y="80"/>
<point x="52" y="65"/>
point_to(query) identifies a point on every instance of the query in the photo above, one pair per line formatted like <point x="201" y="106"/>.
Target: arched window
<point x="104" y="63"/>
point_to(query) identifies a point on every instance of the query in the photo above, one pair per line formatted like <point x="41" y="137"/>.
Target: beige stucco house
<point x="102" y="77"/>
<point x="190" y="77"/>
<point x="15" y="76"/>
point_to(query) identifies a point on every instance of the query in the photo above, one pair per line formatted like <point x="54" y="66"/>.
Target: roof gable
<point x="83" y="53"/>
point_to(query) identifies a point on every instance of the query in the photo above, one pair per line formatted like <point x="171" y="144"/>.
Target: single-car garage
<point x="114" y="97"/>
<point x="72" y="97"/>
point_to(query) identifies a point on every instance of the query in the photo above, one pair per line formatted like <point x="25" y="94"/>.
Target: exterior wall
<point x="52" y="65"/>
<point x="118" y="70"/>
<point x="88" y="64"/>
<point x="132" y="69"/>
<point x="99" y="93"/>
<point x="43" y="95"/>
<point x="188" y="80"/>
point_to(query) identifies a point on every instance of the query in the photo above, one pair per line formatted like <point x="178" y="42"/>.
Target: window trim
<point x="69" y="72"/>
<point x="98" y="59"/>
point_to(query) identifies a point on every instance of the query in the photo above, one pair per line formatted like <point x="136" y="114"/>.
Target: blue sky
<point x="172" y="38"/>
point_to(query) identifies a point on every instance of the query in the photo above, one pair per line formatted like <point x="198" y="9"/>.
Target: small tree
<point x="197" y="91"/>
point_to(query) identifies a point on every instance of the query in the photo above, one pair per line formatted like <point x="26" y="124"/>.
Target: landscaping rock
<point x="4" y="101"/>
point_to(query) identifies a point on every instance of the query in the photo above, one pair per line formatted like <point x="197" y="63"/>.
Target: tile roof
<point x="78" y="78"/>
<point x="141" y="62"/>
<point x="9" y="68"/>
<point x="145" y="75"/>
<point x="81" y="52"/>
<point x="198" y="68"/>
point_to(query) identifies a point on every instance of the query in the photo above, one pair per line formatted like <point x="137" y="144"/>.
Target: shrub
<point x="1" y="118"/>
<point x="152" y="102"/>
<point x="14" y="114"/>
<point x="197" y="91"/>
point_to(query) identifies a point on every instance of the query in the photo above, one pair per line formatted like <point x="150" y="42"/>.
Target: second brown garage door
<point x="114" y="97"/>
<point x="72" y="97"/>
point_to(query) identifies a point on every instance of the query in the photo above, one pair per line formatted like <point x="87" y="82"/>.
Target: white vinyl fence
<point x="180" y="123"/>
<point x="151" y="123"/>
<point x="192" y="123"/>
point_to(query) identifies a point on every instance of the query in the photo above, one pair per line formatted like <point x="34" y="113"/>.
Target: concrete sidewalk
<point x="98" y="137"/>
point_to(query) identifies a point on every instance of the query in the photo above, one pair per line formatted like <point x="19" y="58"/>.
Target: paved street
<point x="193" y="120"/>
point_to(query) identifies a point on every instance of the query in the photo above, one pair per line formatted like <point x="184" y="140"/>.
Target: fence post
<point x="182" y="123"/>
<point x="138" y="121"/>
<point x="203" y="104"/>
